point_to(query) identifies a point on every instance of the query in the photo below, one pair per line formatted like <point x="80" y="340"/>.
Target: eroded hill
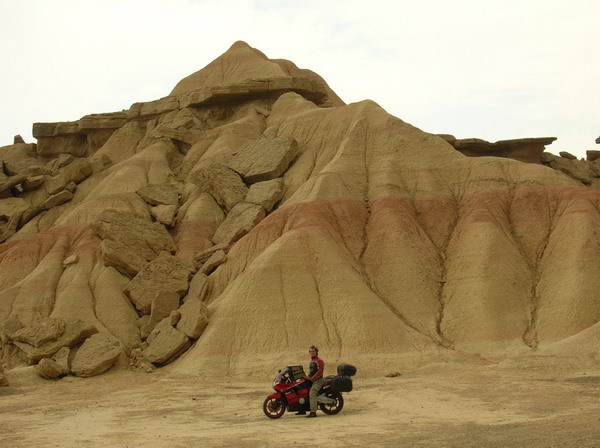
<point x="251" y="213"/>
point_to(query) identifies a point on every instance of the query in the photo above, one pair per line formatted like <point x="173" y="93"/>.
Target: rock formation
<point x="250" y="214"/>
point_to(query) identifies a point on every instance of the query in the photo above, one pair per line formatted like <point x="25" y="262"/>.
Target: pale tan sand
<point x="443" y="405"/>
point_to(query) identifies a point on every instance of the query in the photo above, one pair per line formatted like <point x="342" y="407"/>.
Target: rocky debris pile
<point x="59" y="347"/>
<point x="21" y="182"/>
<point x="587" y="171"/>
<point x="130" y="242"/>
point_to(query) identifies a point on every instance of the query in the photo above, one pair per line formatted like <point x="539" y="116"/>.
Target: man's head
<point x="313" y="351"/>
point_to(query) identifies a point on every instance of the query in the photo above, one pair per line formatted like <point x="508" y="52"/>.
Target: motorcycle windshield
<point x="281" y="375"/>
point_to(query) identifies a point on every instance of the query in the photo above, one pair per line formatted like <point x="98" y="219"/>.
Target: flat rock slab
<point x="216" y="259"/>
<point x="266" y="194"/>
<point x="95" y="356"/>
<point x="167" y="344"/>
<point x="222" y="183"/>
<point x="241" y="219"/>
<point x="165" y="273"/>
<point x="206" y="254"/>
<point x="75" y="331"/>
<point x="40" y="333"/>
<point x="265" y="158"/>
<point x="194" y="318"/>
<point x="130" y="242"/>
<point x="157" y="194"/>
<point x="198" y="287"/>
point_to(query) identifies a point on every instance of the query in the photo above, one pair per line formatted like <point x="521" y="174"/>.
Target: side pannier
<point x="341" y="384"/>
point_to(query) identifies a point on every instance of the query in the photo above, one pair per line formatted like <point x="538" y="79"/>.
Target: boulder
<point x="33" y="182"/>
<point x="55" y="165"/>
<point x="95" y="356"/>
<point x="266" y="194"/>
<point x="11" y="181"/>
<point x="75" y="332"/>
<point x="241" y="219"/>
<point x="166" y="345"/>
<point x="61" y="358"/>
<point x="194" y="318"/>
<point x="27" y="167"/>
<point x="217" y="259"/>
<point x="170" y="321"/>
<point x="49" y="369"/>
<point x="198" y="287"/>
<point x="165" y="214"/>
<point x="598" y="140"/>
<point x="40" y="333"/>
<point x="165" y="273"/>
<point x="71" y="259"/>
<point x="156" y="194"/>
<point x="163" y="303"/>
<point x="18" y="139"/>
<point x="222" y="183"/>
<point x="129" y="241"/>
<point x="186" y="136"/>
<point x="265" y="158"/>
<point x="76" y="171"/>
<point x="57" y="199"/>
<point x="592" y="155"/>
<point x="567" y="155"/>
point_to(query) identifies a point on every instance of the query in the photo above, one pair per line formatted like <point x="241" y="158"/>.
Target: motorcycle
<point x="292" y="391"/>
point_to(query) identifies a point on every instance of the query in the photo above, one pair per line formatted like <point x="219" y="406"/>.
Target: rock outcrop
<point x="523" y="149"/>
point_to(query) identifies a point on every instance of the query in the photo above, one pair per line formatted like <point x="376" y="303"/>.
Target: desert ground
<point x="442" y="405"/>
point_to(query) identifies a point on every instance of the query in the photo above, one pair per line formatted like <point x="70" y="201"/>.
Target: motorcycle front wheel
<point x="273" y="407"/>
<point x="333" y="408"/>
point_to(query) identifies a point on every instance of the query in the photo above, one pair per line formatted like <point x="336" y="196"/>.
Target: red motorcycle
<point x="291" y="391"/>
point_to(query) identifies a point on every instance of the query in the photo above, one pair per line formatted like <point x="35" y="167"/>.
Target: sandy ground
<point x="440" y="406"/>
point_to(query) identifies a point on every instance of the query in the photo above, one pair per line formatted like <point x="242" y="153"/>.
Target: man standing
<point x="315" y="374"/>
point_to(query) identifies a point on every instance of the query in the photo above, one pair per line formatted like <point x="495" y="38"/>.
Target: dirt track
<point x="443" y="406"/>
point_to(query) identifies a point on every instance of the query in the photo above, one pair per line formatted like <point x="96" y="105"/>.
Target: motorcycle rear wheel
<point x="273" y="407"/>
<point x="332" y="409"/>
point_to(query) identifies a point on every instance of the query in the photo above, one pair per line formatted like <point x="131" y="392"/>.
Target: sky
<point x="488" y="69"/>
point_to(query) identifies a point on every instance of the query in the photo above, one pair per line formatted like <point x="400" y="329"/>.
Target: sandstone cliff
<point x="251" y="213"/>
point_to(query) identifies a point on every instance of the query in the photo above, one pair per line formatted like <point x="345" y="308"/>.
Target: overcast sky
<point x="472" y="68"/>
